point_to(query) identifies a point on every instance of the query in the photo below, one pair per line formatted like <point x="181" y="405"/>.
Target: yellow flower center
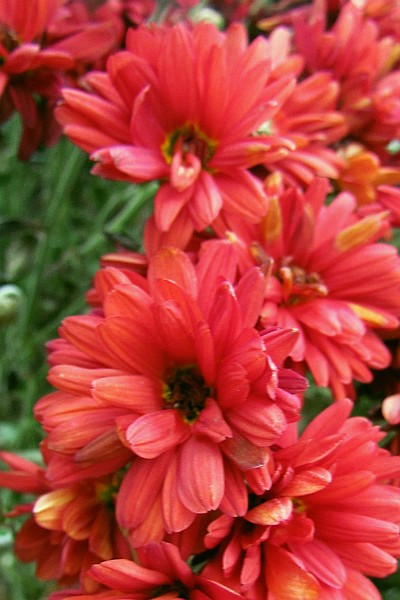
<point x="189" y="139"/>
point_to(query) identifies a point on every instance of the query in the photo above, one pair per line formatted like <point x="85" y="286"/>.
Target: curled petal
<point x="155" y="433"/>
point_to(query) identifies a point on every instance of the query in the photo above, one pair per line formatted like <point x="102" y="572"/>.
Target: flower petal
<point x="201" y="474"/>
<point x="155" y="433"/>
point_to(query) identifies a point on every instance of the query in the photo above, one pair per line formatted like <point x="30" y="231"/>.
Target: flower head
<point x="362" y="60"/>
<point x="182" y="105"/>
<point x="37" y="52"/>
<point x="68" y="528"/>
<point x="329" y="278"/>
<point x="328" y="520"/>
<point x="169" y="376"/>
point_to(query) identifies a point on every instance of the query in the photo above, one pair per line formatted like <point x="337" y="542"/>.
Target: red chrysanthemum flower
<point x="171" y="376"/>
<point x="182" y="105"/>
<point x="362" y="62"/>
<point x="328" y="278"/>
<point x="160" y="574"/>
<point x="327" y="521"/>
<point x="308" y="117"/>
<point x="68" y="529"/>
<point x="35" y="54"/>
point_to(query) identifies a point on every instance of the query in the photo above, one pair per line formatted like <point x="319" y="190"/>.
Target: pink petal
<point x="128" y="301"/>
<point x="175" y="514"/>
<point x="250" y="292"/>
<point x="242" y="194"/>
<point x="139" y="489"/>
<point x="287" y="578"/>
<point x="137" y="393"/>
<point x="201" y="474"/>
<point x="127" y="576"/>
<point x="205" y="352"/>
<point x="174" y="265"/>
<point x="168" y="560"/>
<point x="140" y="164"/>
<point x="169" y="204"/>
<point x="232" y="384"/>
<point x="214" y="591"/>
<point x="77" y="380"/>
<point x="211" y="422"/>
<point x="224" y="318"/>
<point x="217" y="259"/>
<point x="175" y="332"/>
<point x="206" y="201"/>
<point x="272" y="512"/>
<point x="258" y="421"/>
<point x="329" y="421"/>
<point x="279" y="342"/>
<point x="322" y="562"/>
<point x="155" y="433"/>
<point x="235" y="500"/>
<point x="128" y="343"/>
<point x="308" y="481"/>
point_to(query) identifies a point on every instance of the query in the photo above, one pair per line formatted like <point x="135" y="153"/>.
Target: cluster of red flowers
<point x="175" y="463"/>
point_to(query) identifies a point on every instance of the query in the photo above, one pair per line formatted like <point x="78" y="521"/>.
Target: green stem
<point x="67" y="177"/>
<point x="141" y="195"/>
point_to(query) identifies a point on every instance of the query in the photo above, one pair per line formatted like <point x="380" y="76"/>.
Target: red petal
<point x="127" y="576"/>
<point x="201" y="475"/>
<point x="272" y="512"/>
<point x="287" y="579"/>
<point x="137" y="393"/>
<point x="155" y="433"/>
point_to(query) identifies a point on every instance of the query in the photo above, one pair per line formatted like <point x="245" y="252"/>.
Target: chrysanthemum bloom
<point x="34" y="56"/>
<point x="91" y="31"/>
<point x="328" y="520"/>
<point x="308" y="117"/>
<point x="68" y="529"/>
<point x="329" y="279"/>
<point x="159" y="573"/>
<point x="183" y="106"/>
<point x="173" y="378"/>
<point x="361" y="61"/>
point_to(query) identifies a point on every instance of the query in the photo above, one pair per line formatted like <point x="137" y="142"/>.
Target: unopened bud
<point x="11" y="300"/>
